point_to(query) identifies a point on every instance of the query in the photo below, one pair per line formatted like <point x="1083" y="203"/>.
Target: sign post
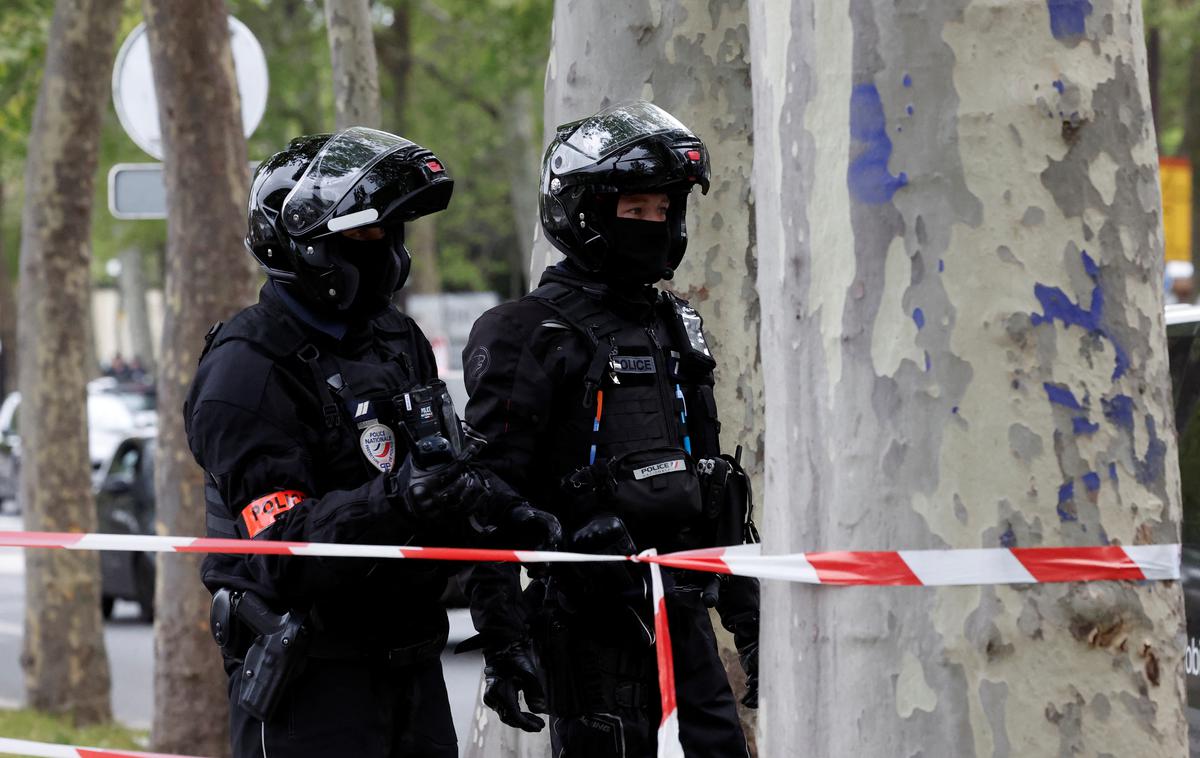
<point x="136" y="190"/>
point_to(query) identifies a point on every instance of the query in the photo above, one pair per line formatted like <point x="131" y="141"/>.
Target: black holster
<point x="272" y="659"/>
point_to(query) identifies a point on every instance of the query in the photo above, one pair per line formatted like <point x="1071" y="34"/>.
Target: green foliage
<point x="468" y="60"/>
<point x="1178" y="25"/>
<point x="41" y="727"/>
<point x="24" y="27"/>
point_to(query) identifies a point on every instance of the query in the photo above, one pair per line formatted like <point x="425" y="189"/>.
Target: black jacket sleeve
<point x="513" y="367"/>
<point x="245" y="428"/>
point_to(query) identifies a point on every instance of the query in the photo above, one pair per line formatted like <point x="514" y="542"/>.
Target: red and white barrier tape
<point x="900" y="567"/>
<point x="49" y="750"/>
<point x="669" y="745"/>
<point x="1018" y="565"/>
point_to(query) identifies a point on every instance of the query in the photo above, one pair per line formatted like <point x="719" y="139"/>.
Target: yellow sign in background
<point x="1176" y="177"/>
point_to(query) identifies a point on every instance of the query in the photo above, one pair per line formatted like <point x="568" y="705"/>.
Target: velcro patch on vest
<point x="657" y="469"/>
<point x="264" y="511"/>
<point x="633" y="364"/>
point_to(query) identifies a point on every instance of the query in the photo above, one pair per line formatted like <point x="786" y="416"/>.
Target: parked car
<point x="125" y="505"/>
<point x="114" y="412"/>
<point x="10" y="450"/>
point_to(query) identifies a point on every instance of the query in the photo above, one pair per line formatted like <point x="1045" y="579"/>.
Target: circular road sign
<point x="133" y="85"/>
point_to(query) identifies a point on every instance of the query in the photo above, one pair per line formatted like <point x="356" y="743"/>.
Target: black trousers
<point x="351" y="708"/>
<point x="708" y="720"/>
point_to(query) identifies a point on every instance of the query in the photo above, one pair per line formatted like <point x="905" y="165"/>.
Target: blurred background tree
<point x="453" y="89"/>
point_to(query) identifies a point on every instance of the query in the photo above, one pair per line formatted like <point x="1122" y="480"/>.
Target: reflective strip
<point x="262" y="512"/>
<point x="351" y="220"/>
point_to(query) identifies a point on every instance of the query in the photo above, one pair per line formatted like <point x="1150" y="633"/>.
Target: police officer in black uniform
<point x="596" y="392"/>
<point x="317" y="416"/>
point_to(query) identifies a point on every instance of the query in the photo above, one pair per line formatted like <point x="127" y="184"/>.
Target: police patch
<point x="479" y="361"/>
<point x="378" y="444"/>
<point x="657" y="469"/>
<point x="633" y="364"/>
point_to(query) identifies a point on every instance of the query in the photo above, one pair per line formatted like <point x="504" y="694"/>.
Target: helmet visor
<point x="612" y="129"/>
<point x="333" y="173"/>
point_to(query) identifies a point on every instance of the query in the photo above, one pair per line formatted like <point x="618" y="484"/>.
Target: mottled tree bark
<point x="525" y="163"/>
<point x="355" y="70"/>
<point x="694" y="61"/>
<point x="421" y="240"/>
<point x="66" y="667"/>
<point x="132" y="284"/>
<point x="395" y="55"/>
<point x="963" y="345"/>
<point x="206" y="280"/>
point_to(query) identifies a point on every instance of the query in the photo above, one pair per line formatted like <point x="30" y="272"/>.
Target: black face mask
<point x="638" y="252"/>
<point x="373" y="264"/>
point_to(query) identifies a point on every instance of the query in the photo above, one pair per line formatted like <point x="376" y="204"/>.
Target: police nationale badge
<point x="378" y="443"/>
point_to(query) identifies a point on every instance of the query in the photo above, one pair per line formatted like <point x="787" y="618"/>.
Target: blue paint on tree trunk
<point x="1008" y="539"/>
<point x="1068" y="17"/>
<point x="1058" y="306"/>
<point x="919" y="318"/>
<point x="1119" y="410"/>
<point x="868" y="177"/>
<point x="1066" y="494"/>
<point x="1061" y="396"/>
<point x="1083" y="426"/>
<point x="1150" y="468"/>
<point x="1091" y="480"/>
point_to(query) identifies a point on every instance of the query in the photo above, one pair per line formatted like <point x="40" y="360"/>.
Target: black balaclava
<point x="638" y="250"/>
<point x="369" y="269"/>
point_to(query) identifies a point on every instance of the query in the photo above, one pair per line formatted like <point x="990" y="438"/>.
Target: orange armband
<point x="262" y="512"/>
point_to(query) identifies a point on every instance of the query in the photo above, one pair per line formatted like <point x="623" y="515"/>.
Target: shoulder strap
<point x="588" y="317"/>
<point x="275" y="336"/>
<point x="209" y="338"/>
<point x="329" y="409"/>
<point x="584" y="314"/>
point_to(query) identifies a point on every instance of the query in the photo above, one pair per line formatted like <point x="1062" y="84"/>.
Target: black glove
<point x="454" y="491"/>
<point x="745" y="639"/>
<point x="606" y="534"/>
<point x="533" y="526"/>
<point x="507" y="672"/>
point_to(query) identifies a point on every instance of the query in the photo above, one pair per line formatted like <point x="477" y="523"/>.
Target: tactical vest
<point x="352" y="397"/>
<point x="641" y="420"/>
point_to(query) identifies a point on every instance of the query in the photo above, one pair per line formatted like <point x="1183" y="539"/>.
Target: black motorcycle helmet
<point x="630" y="148"/>
<point x="304" y="197"/>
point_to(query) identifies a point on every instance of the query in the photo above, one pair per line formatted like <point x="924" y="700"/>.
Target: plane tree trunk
<point x="207" y="279"/>
<point x="132" y="285"/>
<point x="963" y="347"/>
<point x="65" y="663"/>
<point x="355" y="70"/>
